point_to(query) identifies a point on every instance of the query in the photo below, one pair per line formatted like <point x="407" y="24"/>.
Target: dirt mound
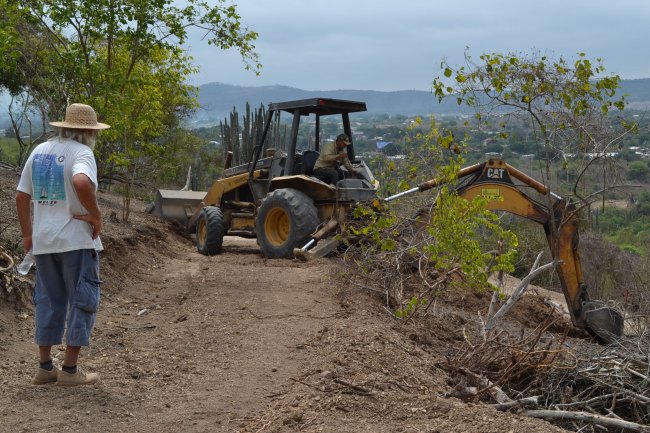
<point x="236" y="342"/>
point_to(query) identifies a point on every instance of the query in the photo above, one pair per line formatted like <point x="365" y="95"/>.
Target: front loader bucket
<point x="603" y="322"/>
<point x="177" y="205"/>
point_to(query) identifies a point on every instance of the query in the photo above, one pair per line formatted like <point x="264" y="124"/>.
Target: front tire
<point x="285" y="220"/>
<point x="210" y="231"/>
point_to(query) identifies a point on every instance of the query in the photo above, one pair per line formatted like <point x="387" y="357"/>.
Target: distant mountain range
<point x="218" y="100"/>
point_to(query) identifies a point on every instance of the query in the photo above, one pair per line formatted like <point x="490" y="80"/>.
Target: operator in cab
<point x="332" y="156"/>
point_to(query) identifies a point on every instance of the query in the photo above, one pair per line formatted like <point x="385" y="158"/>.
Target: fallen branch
<point x="307" y="384"/>
<point x="588" y="402"/>
<point x="358" y="389"/>
<point x="587" y="417"/>
<point x="502" y="407"/>
<point x="7" y="261"/>
<point x="521" y="288"/>
<point x="497" y="393"/>
<point x="147" y="326"/>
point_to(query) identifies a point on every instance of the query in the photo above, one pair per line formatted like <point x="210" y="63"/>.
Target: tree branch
<point x="587" y="417"/>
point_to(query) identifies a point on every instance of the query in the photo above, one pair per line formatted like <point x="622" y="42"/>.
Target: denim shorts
<point x="66" y="296"/>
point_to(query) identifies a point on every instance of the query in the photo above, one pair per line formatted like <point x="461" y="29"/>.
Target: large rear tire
<point x="285" y="220"/>
<point x="210" y="231"/>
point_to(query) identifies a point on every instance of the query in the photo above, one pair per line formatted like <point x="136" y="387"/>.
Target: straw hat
<point x="80" y="116"/>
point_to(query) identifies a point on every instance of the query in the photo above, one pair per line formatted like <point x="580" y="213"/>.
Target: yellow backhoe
<point x="276" y="197"/>
<point x="495" y="181"/>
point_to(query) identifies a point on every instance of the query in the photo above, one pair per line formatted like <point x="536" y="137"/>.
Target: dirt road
<point x="237" y="343"/>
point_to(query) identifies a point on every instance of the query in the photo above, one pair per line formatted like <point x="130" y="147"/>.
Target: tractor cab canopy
<point x="306" y="107"/>
<point x="318" y="106"/>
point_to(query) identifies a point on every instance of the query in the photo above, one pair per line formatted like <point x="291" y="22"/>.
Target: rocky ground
<point x="238" y="343"/>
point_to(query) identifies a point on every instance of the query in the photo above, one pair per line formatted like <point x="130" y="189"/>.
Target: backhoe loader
<point x="494" y="180"/>
<point x="276" y="197"/>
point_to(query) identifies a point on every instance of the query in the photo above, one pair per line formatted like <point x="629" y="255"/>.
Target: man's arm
<point x="329" y="153"/>
<point x="85" y="189"/>
<point x="348" y="164"/>
<point x="23" y="207"/>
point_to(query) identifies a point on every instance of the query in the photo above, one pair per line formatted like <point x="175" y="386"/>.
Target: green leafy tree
<point x="125" y="58"/>
<point x="567" y="104"/>
<point x="643" y="204"/>
<point x="638" y="170"/>
<point x="146" y="117"/>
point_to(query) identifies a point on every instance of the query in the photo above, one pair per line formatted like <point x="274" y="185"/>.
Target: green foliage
<point x="632" y="249"/>
<point x="638" y="170"/>
<point x="643" y="203"/>
<point x="125" y="58"/>
<point x="569" y="104"/>
<point x="613" y="219"/>
<point x="379" y="224"/>
<point x="462" y="229"/>
<point x="8" y="150"/>
<point x="448" y="232"/>
<point x="410" y="308"/>
<point x="629" y="228"/>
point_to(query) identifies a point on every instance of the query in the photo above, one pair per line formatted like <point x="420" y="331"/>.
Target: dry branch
<point x="519" y="291"/>
<point x="587" y="417"/>
<point x="6" y="262"/>
<point x="527" y="401"/>
<point x="357" y="389"/>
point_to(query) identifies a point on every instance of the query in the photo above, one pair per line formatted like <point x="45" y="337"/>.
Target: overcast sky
<point x="398" y="45"/>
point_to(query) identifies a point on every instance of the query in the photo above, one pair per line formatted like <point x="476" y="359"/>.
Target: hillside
<point x="637" y="93"/>
<point x="217" y="100"/>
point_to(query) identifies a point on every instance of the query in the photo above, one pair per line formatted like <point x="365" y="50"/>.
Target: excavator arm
<point x="494" y="181"/>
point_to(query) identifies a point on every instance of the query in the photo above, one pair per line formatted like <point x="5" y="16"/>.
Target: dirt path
<point x="238" y="343"/>
<point x="210" y="337"/>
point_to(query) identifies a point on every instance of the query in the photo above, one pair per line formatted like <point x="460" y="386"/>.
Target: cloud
<point x="382" y="45"/>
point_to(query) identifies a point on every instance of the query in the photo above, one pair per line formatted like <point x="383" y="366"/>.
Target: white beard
<point x="90" y="142"/>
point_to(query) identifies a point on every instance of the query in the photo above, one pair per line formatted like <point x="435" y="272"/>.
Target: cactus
<point x="251" y="134"/>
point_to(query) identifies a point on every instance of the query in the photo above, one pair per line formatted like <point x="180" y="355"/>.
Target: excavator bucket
<point x="603" y="322"/>
<point x="177" y="205"/>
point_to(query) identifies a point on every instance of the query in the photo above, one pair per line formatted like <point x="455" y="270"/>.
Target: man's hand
<point x="85" y="189"/>
<point x="341" y="156"/>
<point x="94" y="221"/>
<point x="27" y="243"/>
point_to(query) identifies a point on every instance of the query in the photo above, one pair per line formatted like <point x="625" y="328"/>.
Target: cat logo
<point x="491" y="194"/>
<point x="495" y="173"/>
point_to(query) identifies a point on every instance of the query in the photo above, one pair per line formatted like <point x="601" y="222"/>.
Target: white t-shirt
<point x="47" y="177"/>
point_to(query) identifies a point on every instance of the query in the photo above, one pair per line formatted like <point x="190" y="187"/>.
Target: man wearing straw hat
<point x="60" y="177"/>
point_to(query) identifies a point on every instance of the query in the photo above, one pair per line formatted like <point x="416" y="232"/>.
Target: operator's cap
<point x="344" y="138"/>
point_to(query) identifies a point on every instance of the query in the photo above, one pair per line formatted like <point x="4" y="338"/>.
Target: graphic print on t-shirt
<point x="48" y="179"/>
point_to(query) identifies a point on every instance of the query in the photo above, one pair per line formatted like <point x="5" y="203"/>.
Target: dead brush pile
<point x="14" y="289"/>
<point x="577" y="384"/>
